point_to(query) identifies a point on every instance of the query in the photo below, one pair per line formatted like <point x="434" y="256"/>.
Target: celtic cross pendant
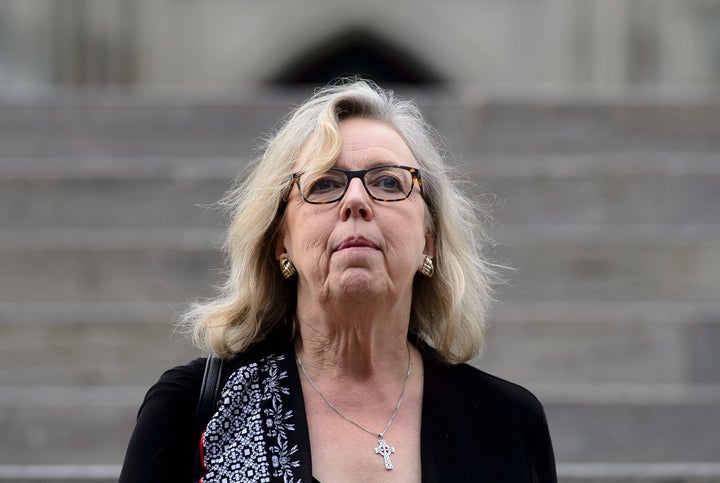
<point x="385" y="451"/>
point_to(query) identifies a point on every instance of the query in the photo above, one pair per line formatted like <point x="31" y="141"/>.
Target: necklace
<point x="383" y="448"/>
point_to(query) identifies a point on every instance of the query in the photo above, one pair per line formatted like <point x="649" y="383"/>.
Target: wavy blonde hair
<point x="256" y="302"/>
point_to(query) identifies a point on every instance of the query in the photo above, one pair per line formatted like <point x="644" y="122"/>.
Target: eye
<point x="389" y="181"/>
<point x="325" y="184"/>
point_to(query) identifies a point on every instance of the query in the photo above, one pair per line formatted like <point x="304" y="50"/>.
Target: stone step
<point x="127" y="125"/>
<point x="147" y="192"/>
<point x="90" y="344"/>
<point x="541" y="342"/>
<point x="639" y="472"/>
<point x="604" y="262"/>
<point x="567" y="473"/>
<point x="589" y="424"/>
<point x="117" y="123"/>
<point x="602" y="188"/>
<point x="587" y="341"/>
<point x="68" y="473"/>
<point x="611" y="262"/>
<point x="590" y="126"/>
<point x="113" y="265"/>
<point x="626" y="424"/>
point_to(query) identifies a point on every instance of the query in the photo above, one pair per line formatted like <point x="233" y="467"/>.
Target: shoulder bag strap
<point x="206" y="403"/>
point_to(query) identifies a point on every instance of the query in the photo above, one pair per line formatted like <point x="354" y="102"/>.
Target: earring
<point x="287" y="268"/>
<point x="428" y="268"/>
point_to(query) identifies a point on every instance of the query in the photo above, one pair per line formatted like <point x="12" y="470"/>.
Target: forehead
<point x="366" y="143"/>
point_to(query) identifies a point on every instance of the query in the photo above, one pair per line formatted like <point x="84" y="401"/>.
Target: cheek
<point x="308" y="237"/>
<point x="406" y="235"/>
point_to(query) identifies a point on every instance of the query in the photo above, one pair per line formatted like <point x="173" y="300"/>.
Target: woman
<point x="357" y="291"/>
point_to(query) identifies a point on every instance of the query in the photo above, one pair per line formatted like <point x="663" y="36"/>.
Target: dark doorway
<point x="356" y="52"/>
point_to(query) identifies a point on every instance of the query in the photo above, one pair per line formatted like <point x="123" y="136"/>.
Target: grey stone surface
<point x="615" y="188"/>
<point x="567" y="473"/>
<point x="639" y="473"/>
<point x="569" y="271"/>
<point x="704" y="340"/>
<point x="61" y="426"/>
<point x="116" y="346"/>
<point x="530" y="343"/>
<point x="596" y="342"/>
<point x="127" y="125"/>
<point x="106" y="202"/>
<point x="73" y="435"/>
<point x="634" y="433"/>
<point x="582" y="127"/>
<point x="163" y="191"/>
<point x="174" y="265"/>
<point x="606" y="208"/>
<point x="135" y="274"/>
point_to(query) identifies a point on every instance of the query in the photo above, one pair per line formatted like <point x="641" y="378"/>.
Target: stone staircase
<point x="608" y="210"/>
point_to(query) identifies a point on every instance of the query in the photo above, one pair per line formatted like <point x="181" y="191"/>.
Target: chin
<point x="357" y="282"/>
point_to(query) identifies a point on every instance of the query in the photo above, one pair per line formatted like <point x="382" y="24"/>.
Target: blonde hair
<point x="256" y="302"/>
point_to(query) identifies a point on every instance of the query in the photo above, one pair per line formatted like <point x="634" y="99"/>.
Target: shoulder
<point x="173" y="398"/>
<point x="179" y="383"/>
<point x="162" y="445"/>
<point x="473" y="388"/>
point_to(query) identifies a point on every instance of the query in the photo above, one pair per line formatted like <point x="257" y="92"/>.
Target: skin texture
<point x="356" y="260"/>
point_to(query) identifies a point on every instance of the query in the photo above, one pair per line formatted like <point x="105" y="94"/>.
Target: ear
<point x="280" y="249"/>
<point x="429" y="250"/>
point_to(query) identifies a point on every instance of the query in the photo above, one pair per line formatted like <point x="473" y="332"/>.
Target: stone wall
<point x="220" y="45"/>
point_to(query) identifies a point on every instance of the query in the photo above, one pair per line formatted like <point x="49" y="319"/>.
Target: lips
<point x="355" y="242"/>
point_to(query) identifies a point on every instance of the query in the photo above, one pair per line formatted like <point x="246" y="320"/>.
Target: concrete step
<point x="113" y="265"/>
<point x="590" y="126"/>
<point x="90" y="344"/>
<point x="633" y="423"/>
<point x="604" y="262"/>
<point x="639" y="473"/>
<point x="123" y="123"/>
<point x="567" y="473"/>
<point x="59" y="473"/>
<point x="611" y="262"/>
<point x="602" y="188"/>
<point x="99" y="193"/>
<point x="540" y="342"/>
<point x="587" y="341"/>
<point x="67" y="425"/>
<point x="114" y="123"/>
<point x="589" y="423"/>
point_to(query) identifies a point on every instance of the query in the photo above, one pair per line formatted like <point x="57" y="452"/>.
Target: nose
<point x="356" y="202"/>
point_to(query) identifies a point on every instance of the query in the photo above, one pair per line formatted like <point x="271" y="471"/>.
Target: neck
<point x="345" y="345"/>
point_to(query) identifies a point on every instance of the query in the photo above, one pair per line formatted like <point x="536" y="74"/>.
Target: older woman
<point x="356" y="293"/>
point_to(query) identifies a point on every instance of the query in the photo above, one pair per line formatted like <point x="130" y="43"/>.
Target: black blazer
<point x="475" y="426"/>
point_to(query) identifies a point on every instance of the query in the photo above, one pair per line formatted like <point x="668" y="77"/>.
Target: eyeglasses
<point x="382" y="183"/>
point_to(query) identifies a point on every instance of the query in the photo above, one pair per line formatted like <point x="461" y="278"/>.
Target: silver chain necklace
<point x="383" y="448"/>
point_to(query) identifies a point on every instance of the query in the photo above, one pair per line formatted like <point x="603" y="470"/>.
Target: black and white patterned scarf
<point x="250" y="437"/>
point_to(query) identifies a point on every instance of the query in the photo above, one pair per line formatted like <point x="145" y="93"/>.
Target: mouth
<point x="355" y="242"/>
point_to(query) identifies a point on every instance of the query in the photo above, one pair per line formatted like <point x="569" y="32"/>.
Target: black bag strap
<point x="206" y="403"/>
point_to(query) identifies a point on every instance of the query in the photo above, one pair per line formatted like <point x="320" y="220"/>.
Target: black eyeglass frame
<point x="352" y="174"/>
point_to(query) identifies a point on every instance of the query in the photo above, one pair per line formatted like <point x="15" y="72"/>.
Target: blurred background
<point x="591" y="126"/>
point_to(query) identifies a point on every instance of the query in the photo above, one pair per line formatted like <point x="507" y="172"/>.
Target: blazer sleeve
<point x="163" y="444"/>
<point x="543" y="457"/>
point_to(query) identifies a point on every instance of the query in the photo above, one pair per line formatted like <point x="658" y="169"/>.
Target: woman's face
<point x="358" y="246"/>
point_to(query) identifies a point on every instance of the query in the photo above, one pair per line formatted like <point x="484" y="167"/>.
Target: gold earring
<point x="428" y="269"/>
<point x="287" y="268"/>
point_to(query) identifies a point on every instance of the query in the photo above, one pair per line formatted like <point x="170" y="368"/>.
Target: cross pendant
<point x="385" y="451"/>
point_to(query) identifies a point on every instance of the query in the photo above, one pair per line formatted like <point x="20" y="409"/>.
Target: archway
<point x="356" y="52"/>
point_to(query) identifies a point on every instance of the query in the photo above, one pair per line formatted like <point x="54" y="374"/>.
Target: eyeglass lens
<point x="386" y="183"/>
